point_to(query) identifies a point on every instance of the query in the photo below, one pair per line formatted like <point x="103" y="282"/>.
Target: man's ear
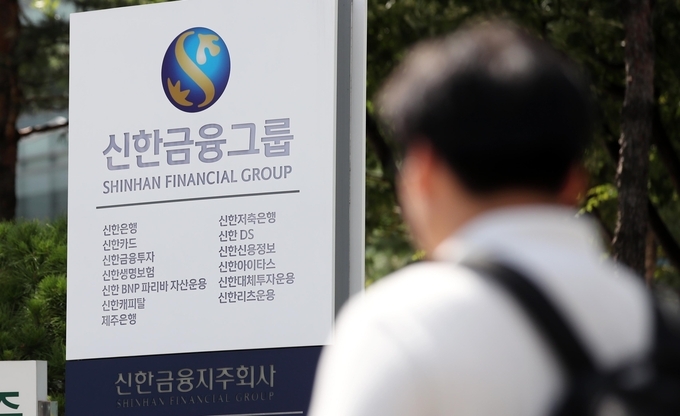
<point x="417" y="166"/>
<point x="415" y="190"/>
<point x="575" y="186"/>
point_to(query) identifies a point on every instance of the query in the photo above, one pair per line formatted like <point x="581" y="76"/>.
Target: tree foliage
<point x="592" y="33"/>
<point x="33" y="297"/>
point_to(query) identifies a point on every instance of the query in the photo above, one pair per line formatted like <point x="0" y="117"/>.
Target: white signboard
<point x="201" y="177"/>
<point x="22" y="384"/>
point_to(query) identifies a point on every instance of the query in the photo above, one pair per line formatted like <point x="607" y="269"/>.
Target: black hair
<point x="502" y="107"/>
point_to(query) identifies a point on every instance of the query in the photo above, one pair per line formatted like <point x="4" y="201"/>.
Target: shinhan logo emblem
<point x="195" y="69"/>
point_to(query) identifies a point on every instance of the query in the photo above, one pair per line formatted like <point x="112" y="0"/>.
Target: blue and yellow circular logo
<point x="195" y="69"/>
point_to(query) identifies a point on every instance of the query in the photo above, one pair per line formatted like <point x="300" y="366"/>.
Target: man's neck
<point x="447" y="217"/>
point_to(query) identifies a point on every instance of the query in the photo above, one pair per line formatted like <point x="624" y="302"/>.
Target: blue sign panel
<point x="250" y="382"/>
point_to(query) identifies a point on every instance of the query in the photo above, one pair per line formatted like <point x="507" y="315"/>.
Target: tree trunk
<point x="9" y="105"/>
<point x="663" y="235"/>
<point x="636" y="132"/>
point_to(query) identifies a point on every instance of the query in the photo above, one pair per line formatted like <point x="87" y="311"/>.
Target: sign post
<point x="216" y="162"/>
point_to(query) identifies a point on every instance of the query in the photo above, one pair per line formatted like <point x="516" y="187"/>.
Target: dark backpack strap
<point x="666" y="337"/>
<point x="548" y="320"/>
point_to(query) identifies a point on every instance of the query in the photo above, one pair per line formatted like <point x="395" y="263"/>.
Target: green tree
<point x="592" y="32"/>
<point x="33" y="297"/>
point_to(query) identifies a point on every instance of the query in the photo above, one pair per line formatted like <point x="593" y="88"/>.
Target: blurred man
<point x="494" y="123"/>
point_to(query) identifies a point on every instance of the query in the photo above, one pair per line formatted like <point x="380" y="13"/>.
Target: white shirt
<point x="436" y="339"/>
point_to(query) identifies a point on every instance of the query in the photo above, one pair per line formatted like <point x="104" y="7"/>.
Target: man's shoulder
<point x="419" y="295"/>
<point x="608" y="305"/>
<point x="427" y="279"/>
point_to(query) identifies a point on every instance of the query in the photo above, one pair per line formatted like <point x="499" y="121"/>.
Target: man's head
<point x="489" y="116"/>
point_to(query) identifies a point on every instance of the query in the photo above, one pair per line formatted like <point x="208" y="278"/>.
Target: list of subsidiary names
<point x="129" y="276"/>
<point x="249" y="268"/>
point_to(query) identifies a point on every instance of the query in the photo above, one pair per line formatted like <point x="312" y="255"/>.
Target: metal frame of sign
<point x="350" y="150"/>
